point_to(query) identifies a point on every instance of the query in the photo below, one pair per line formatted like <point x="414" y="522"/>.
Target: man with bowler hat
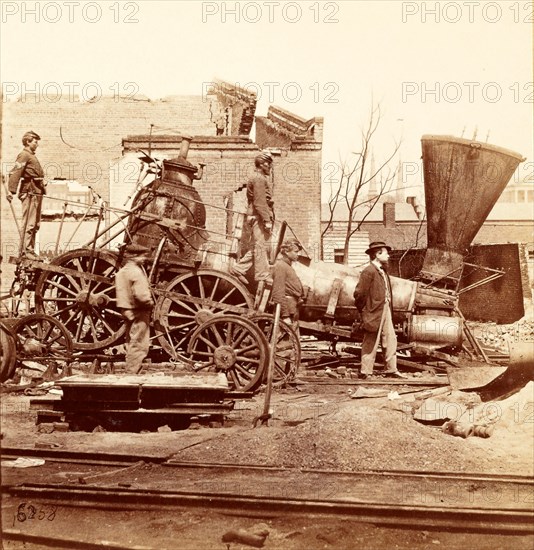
<point x="135" y="302"/>
<point x="28" y="177"/>
<point x="374" y="301"/>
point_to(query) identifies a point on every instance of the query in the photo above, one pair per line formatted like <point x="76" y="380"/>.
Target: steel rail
<point x="460" y="518"/>
<point x="514" y="518"/>
<point x="66" y="542"/>
<point x="112" y="459"/>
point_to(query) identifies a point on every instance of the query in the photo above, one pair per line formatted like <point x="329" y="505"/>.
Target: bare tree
<point x="355" y="176"/>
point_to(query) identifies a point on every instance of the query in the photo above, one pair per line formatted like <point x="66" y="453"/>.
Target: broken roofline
<point x="295" y="124"/>
<point x="229" y="89"/>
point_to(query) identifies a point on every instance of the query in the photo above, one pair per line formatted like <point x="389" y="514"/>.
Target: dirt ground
<point x="316" y="429"/>
<point x="203" y="530"/>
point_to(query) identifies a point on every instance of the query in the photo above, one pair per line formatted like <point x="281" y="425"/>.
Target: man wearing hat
<point x="28" y="177"/>
<point x="374" y="301"/>
<point x="287" y="287"/>
<point x="134" y="301"/>
<point x="260" y="216"/>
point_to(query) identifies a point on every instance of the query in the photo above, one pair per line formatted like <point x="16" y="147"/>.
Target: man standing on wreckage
<point x="374" y="301"/>
<point x="28" y="177"/>
<point x="260" y="217"/>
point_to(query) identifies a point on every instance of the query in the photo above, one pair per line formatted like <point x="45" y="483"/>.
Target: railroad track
<point x="436" y="500"/>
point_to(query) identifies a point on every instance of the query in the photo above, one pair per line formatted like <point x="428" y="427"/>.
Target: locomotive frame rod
<point x="496" y="274"/>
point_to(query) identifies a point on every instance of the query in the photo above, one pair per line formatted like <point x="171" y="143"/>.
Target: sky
<point x="448" y="68"/>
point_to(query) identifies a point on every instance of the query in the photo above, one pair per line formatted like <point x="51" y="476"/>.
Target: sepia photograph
<point x="267" y="274"/>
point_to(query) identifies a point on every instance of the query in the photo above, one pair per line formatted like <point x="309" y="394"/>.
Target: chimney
<point x="389" y="215"/>
<point x="460" y="192"/>
<point x="184" y="146"/>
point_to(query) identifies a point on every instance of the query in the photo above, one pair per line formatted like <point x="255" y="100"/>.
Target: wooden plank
<point x="333" y="298"/>
<point x="149" y="380"/>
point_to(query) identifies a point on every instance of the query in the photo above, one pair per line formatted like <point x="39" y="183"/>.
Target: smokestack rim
<point x="471" y="142"/>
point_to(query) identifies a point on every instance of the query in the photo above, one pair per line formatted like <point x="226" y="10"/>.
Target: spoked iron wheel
<point x="233" y="345"/>
<point x="44" y="340"/>
<point x="176" y="318"/>
<point x="87" y="308"/>
<point x="8" y="352"/>
<point x="288" y="352"/>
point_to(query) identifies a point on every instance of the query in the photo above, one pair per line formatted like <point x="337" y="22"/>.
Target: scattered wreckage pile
<point x="499" y="337"/>
<point x="423" y="403"/>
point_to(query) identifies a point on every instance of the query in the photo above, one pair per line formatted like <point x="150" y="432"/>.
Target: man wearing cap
<point x="374" y="301"/>
<point x="28" y="177"/>
<point x="260" y="216"/>
<point x="134" y="301"/>
<point x="287" y="287"/>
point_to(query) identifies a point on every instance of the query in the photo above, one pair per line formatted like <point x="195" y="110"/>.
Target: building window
<point x="508" y="196"/>
<point x="339" y="255"/>
<point x="530" y="195"/>
<point x="520" y="196"/>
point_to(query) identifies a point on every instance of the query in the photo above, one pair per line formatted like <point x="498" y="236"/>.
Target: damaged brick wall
<point x="80" y="139"/>
<point x="234" y="106"/>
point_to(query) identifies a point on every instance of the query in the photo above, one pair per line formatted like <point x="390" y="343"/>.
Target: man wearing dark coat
<point x="374" y="301"/>
<point x="287" y="287"/>
<point x="28" y="177"/>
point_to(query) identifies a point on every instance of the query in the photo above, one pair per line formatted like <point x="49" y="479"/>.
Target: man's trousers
<point x="31" y="219"/>
<point x="137" y="338"/>
<point x="388" y="339"/>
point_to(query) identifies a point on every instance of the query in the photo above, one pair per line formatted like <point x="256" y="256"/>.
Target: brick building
<point x="81" y="141"/>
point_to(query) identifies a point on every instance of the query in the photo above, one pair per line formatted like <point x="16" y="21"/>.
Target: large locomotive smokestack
<point x="463" y="180"/>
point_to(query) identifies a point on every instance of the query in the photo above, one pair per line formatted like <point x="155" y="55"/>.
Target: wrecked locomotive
<point x="209" y="319"/>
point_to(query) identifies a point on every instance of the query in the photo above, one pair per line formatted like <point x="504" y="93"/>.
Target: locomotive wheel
<point x="8" y="353"/>
<point x="233" y="345"/>
<point x="175" y="319"/>
<point x="43" y="339"/>
<point x="86" y="308"/>
<point x="288" y="352"/>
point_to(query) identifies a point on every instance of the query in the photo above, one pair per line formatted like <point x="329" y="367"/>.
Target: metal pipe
<point x="184" y="146"/>
<point x="522" y="354"/>
<point x="60" y="227"/>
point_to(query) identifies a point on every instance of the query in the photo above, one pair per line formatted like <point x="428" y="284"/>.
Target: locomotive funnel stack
<point x="463" y="180"/>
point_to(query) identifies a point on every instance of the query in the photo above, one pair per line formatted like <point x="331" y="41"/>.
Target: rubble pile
<point x="366" y="437"/>
<point x="499" y="337"/>
<point x="515" y="414"/>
